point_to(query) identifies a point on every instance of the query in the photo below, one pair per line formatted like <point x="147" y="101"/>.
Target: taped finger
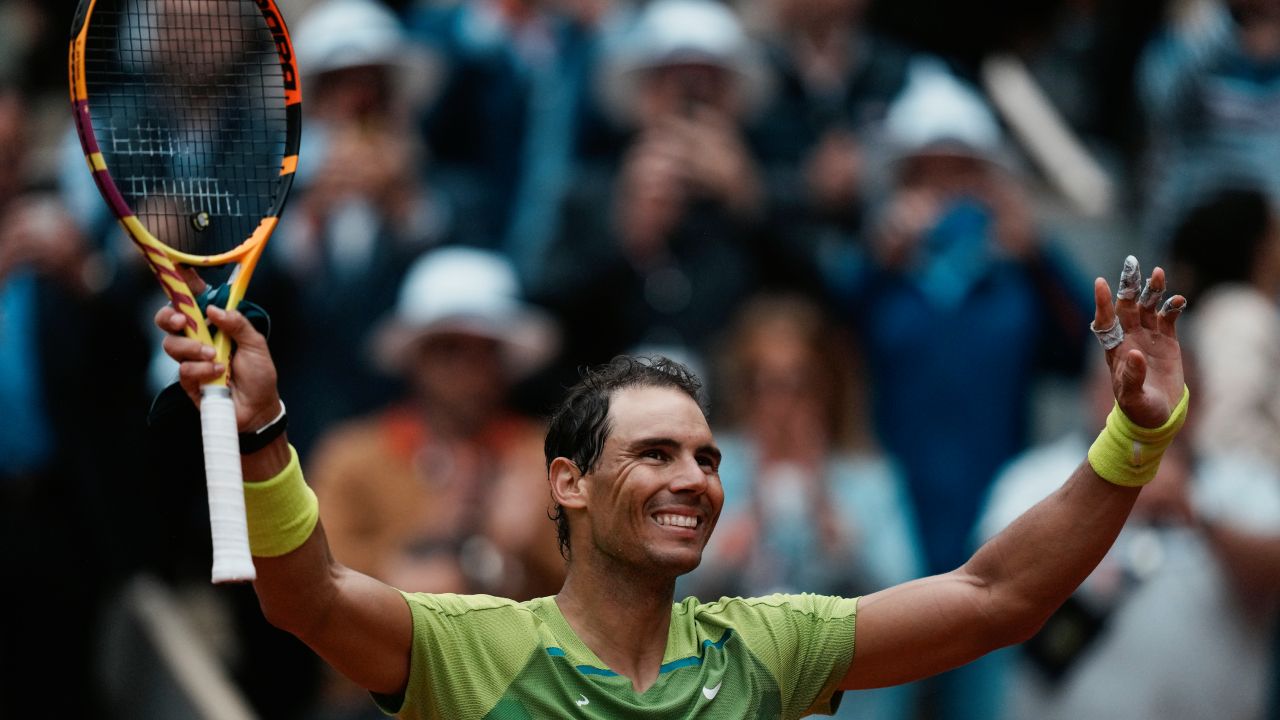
<point x="1130" y="279"/>
<point x="1171" y="310"/>
<point x="1150" y="296"/>
<point x="1110" y="337"/>
<point x="1167" y="318"/>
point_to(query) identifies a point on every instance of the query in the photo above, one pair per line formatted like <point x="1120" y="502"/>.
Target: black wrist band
<point x="252" y="442"/>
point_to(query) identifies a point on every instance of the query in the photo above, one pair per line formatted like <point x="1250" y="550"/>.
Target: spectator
<point x="808" y="506"/>
<point x="359" y="211"/>
<point x="1208" y="82"/>
<point x="445" y="491"/>
<point x="956" y="253"/>
<point x="790" y="413"/>
<point x="659" y="251"/>
<point x="513" y="104"/>
<point x="1230" y="248"/>
<point x="836" y="80"/>
<point x="72" y="510"/>
<point x="956" y="263"/>
<point x="1108" y="652"/>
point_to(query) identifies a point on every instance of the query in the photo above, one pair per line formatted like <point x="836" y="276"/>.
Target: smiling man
<point x="633" y="472"/>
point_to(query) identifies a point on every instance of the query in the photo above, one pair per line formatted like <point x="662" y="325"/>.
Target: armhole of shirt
<point x="389" y="704"/>
<point x="835" y="696"/>
<point x="830" y="695"/>
<point x="395" y="704"/>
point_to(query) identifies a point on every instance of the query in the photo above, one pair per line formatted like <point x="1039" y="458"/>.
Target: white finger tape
<point x="1130" y="279"/>
<point x="1150" y="297"/>
<point x="1110" y="337"/>
<point x="1171" y="309"/>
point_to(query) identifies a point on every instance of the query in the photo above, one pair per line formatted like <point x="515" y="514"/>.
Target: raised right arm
<point x="1012" y="584"/>
<point x="361" y="626"/>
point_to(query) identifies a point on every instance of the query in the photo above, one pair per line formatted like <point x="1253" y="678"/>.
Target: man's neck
<point x="621" y="616"/>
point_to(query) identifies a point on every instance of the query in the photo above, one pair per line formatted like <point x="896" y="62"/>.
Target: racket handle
<point x="231" y="559"/>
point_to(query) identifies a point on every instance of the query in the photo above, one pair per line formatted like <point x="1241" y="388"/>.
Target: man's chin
<point x="653" y="559"/>
<point x="676" y="562"/>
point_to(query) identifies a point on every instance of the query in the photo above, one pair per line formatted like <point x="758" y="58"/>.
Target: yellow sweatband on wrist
<point x="282" y="511"/>
<point x="1128" y="454"/>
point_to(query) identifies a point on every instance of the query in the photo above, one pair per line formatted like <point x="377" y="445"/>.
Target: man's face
<point x="461" y="376"/>
<point x="352" y="94"/>
<point x="946" y="175"/>
<point x="655" y="495"/>
<point x="680" y="90"/>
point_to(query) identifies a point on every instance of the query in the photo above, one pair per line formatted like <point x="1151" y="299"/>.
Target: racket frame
<point x="161" y="258"/>
<point x="232" y="560"/>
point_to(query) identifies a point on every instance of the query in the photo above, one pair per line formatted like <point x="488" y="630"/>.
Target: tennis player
<point x="632" y="468"/>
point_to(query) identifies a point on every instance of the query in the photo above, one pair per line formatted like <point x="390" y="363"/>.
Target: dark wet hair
<point x="1219" y="239"/>
<point x="580" y="424"/>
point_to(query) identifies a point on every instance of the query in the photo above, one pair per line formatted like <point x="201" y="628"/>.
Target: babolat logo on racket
<point x="283" y="46"/>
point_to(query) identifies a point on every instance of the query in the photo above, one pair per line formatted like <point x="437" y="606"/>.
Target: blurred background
<point x="870" y="226"/>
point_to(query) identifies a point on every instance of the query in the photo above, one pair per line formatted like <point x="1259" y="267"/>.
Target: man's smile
<point x="677" y="521"/>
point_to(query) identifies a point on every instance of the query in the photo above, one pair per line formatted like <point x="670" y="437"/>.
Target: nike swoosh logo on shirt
<point x="711" y="692"/>
<point x="585" y="701"/>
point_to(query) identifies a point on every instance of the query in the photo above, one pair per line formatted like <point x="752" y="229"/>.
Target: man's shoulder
<point x="481" y="625"/>
<point x="455" y="605"/>
<point x="747" y="613"/>
<point x="466" y="652"/>
<point x="805" y="642"/>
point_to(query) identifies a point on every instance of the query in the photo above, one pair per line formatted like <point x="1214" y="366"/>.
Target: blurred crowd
<point x="818" y="205"/>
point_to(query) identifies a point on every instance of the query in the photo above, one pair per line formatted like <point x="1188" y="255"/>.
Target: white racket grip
<point x="231" y="559"/>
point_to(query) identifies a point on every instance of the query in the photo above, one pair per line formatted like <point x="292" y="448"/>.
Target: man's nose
<point x="690" y="477"/>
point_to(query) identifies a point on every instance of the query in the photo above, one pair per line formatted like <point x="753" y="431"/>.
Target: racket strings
<point x="188" y="105"/>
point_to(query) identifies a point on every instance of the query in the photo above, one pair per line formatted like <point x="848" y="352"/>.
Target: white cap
<point x="338" y="34"/>
<point x="683" y="32"/>
<point x="471" y="292"/>
<point x="936" y="113"/>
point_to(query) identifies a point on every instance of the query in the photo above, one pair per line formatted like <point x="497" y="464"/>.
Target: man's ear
<point x="568" y="484"/>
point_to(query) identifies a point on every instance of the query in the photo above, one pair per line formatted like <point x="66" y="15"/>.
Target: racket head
<point x="189" y="113"/>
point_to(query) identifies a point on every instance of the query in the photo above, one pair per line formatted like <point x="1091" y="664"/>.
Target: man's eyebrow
<point x="670" y="444"/>
<point x="655" y="442"/>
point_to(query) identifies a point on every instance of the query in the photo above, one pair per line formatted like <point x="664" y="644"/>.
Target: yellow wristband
<point x="282" y="511"/>
<point x="1128" y="454"/>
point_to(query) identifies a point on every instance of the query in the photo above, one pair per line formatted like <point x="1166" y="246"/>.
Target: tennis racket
<point x="189" y="112"/>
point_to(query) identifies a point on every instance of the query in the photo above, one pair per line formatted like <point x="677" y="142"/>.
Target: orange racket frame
<point x="232" y="561"/>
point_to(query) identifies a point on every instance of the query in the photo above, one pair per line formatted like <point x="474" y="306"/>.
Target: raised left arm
<point x="1014" y="583"/>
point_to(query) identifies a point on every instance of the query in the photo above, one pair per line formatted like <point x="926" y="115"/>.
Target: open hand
<point x="1146" y="365"/>
<point x="911" y="212"/>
